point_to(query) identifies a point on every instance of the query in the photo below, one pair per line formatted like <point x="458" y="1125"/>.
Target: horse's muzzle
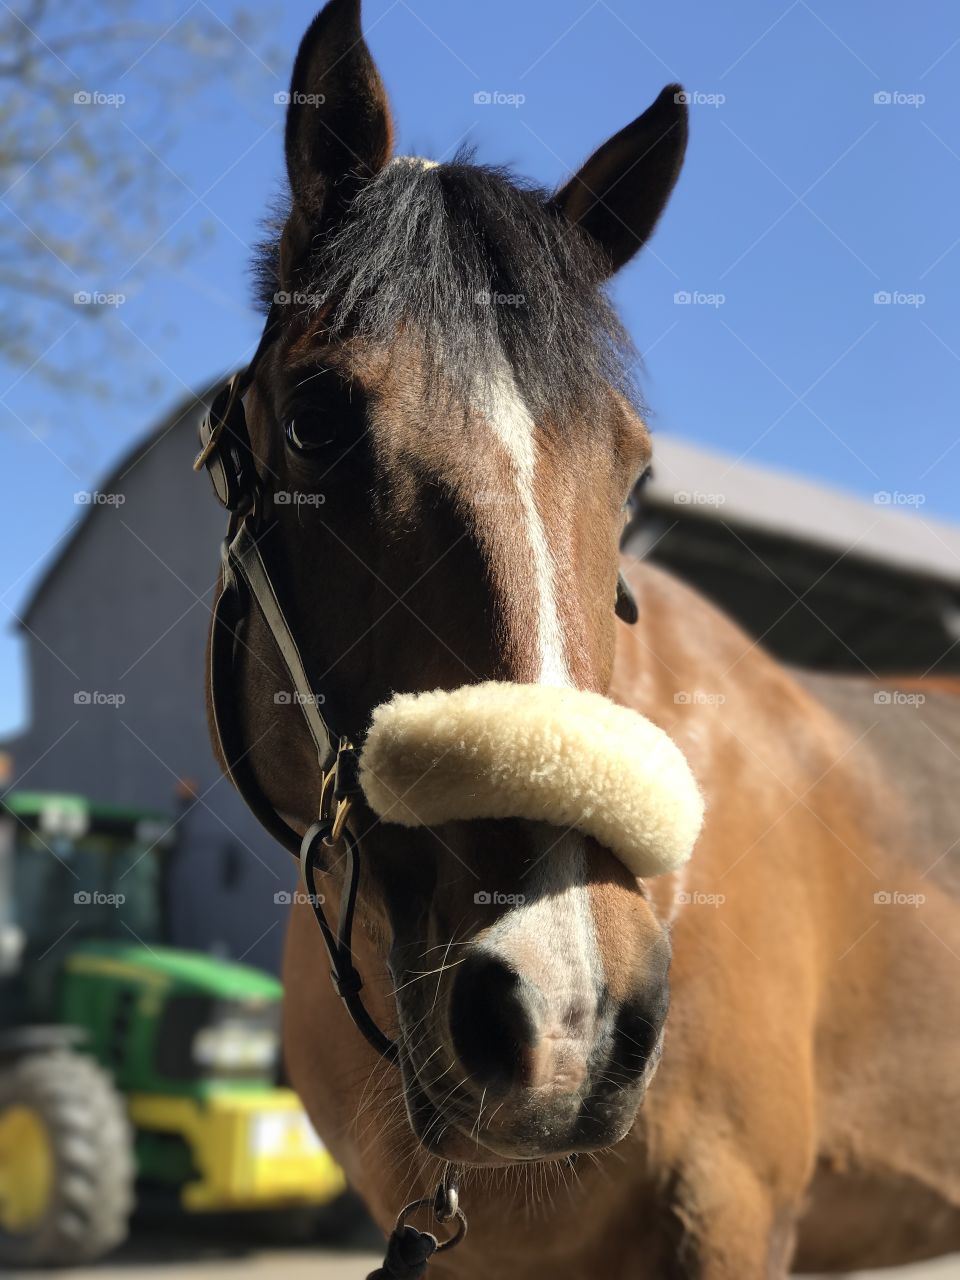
<point x="542" y="1035"/>
<point x="540" y="1078"/>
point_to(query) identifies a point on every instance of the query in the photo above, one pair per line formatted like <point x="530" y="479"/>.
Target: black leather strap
<point x="246" y="561"/>
<point x="346" y="978"/>
<point x="245" y="579"/>
<point x="229" y="614"/>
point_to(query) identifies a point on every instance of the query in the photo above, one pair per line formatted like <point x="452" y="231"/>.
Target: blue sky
<point x="804" y="196"/>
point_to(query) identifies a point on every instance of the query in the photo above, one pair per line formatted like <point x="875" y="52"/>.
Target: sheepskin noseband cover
<point x="561" y="756"/>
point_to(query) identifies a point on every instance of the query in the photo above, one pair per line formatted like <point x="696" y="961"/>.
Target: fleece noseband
<point x="573" y="759"/>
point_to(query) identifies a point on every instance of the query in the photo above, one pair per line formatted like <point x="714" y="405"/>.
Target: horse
<point x="724" y="1067"/>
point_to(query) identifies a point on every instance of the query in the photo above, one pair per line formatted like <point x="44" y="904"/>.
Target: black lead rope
<point x="408" y="1249"/>
<point x="408" y="1252"/>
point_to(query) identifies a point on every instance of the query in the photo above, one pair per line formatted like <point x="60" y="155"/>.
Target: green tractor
<point x="127" y="1066"/>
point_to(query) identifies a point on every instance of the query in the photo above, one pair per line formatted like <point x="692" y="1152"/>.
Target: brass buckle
<point x="214" y="421"/>
<point x="336" y="817"/>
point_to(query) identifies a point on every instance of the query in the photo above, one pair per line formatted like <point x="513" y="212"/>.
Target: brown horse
<point x="444" y="440"/>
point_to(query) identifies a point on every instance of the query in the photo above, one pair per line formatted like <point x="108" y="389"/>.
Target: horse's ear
<point x="338" y="129"/>
<point x="620" y="192"/>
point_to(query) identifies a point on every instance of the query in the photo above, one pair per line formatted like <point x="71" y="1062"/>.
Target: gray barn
<point x="116" y="633"/>
<point x="827" y="580"/>
<point x="116" y="630"/>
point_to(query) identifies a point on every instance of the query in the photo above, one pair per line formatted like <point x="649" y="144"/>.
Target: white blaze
<point x="551" y="937"/>
<point x="555" y="923"/>
<point x="514" y="428"/>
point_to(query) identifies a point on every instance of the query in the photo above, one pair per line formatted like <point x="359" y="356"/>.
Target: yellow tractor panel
<point x="255" y="1150"/>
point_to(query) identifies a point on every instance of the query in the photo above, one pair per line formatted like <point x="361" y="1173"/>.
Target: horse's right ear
<point x="338" y="129"/>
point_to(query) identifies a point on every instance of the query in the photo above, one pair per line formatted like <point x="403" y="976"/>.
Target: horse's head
<point x="445" y="430"/>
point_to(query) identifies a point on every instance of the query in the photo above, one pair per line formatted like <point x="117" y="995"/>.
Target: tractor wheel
<point x="66" y="1161"/>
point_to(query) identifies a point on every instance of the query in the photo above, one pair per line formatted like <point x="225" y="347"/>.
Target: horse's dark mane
<point x="480" y="267"/>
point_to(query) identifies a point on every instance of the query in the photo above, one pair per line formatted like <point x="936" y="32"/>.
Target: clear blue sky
<point x="802" y="198"/>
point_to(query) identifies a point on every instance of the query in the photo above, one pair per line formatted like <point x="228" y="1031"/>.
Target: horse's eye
<point x="327" y="410"/>
<point x="302" y="435"/>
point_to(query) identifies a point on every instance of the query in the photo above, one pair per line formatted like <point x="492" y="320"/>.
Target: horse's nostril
<point x="636" y="1032"/>
<point x="491" y="1022"/>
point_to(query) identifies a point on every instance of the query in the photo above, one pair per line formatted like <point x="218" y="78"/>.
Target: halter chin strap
<point x="245" y="580"/>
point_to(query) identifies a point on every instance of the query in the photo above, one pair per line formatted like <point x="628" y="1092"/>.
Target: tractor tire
<point x="66" y="1192"/>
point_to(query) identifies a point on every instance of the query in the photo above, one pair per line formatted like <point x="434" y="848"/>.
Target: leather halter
<point x="245" y="581"/>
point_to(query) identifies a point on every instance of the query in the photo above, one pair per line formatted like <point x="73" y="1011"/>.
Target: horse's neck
<point x="910" y="729"/>
<point x="808" y="746"/>
<point x="685" y="661"/>
<point x="728" y="704"/>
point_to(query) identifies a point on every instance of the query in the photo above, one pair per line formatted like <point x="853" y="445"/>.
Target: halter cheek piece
<point x="245" y="581"/>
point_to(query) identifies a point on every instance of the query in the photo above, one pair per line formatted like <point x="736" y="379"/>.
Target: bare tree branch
<point x="93" y="100"/>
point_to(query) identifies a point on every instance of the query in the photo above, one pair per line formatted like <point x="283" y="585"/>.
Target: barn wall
<point x="813" y="606"/>
<point x="124" y="616"/>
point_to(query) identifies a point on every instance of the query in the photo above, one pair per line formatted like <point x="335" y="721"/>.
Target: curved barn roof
<point x="185" y="412"/>
<point x="891" y="530"/>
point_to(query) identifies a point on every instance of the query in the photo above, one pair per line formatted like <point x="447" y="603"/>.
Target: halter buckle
<point x="225" y="447"/>
<point x="336" y="799"/>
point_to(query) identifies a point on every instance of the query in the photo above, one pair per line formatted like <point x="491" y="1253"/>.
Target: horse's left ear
<point x="619" y="194"/>
<point x="338" y="129"/>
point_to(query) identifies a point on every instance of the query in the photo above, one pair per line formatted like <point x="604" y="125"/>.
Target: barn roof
<point x="891" y="530"/>
<point x="185" y="412"/>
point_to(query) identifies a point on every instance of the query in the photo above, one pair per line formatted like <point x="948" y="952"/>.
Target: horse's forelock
<point x="481" y="269"/>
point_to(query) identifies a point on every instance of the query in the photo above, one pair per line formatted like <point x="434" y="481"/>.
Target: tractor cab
<point x="128" y="1066"/>
<point x="71" y="871"/>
